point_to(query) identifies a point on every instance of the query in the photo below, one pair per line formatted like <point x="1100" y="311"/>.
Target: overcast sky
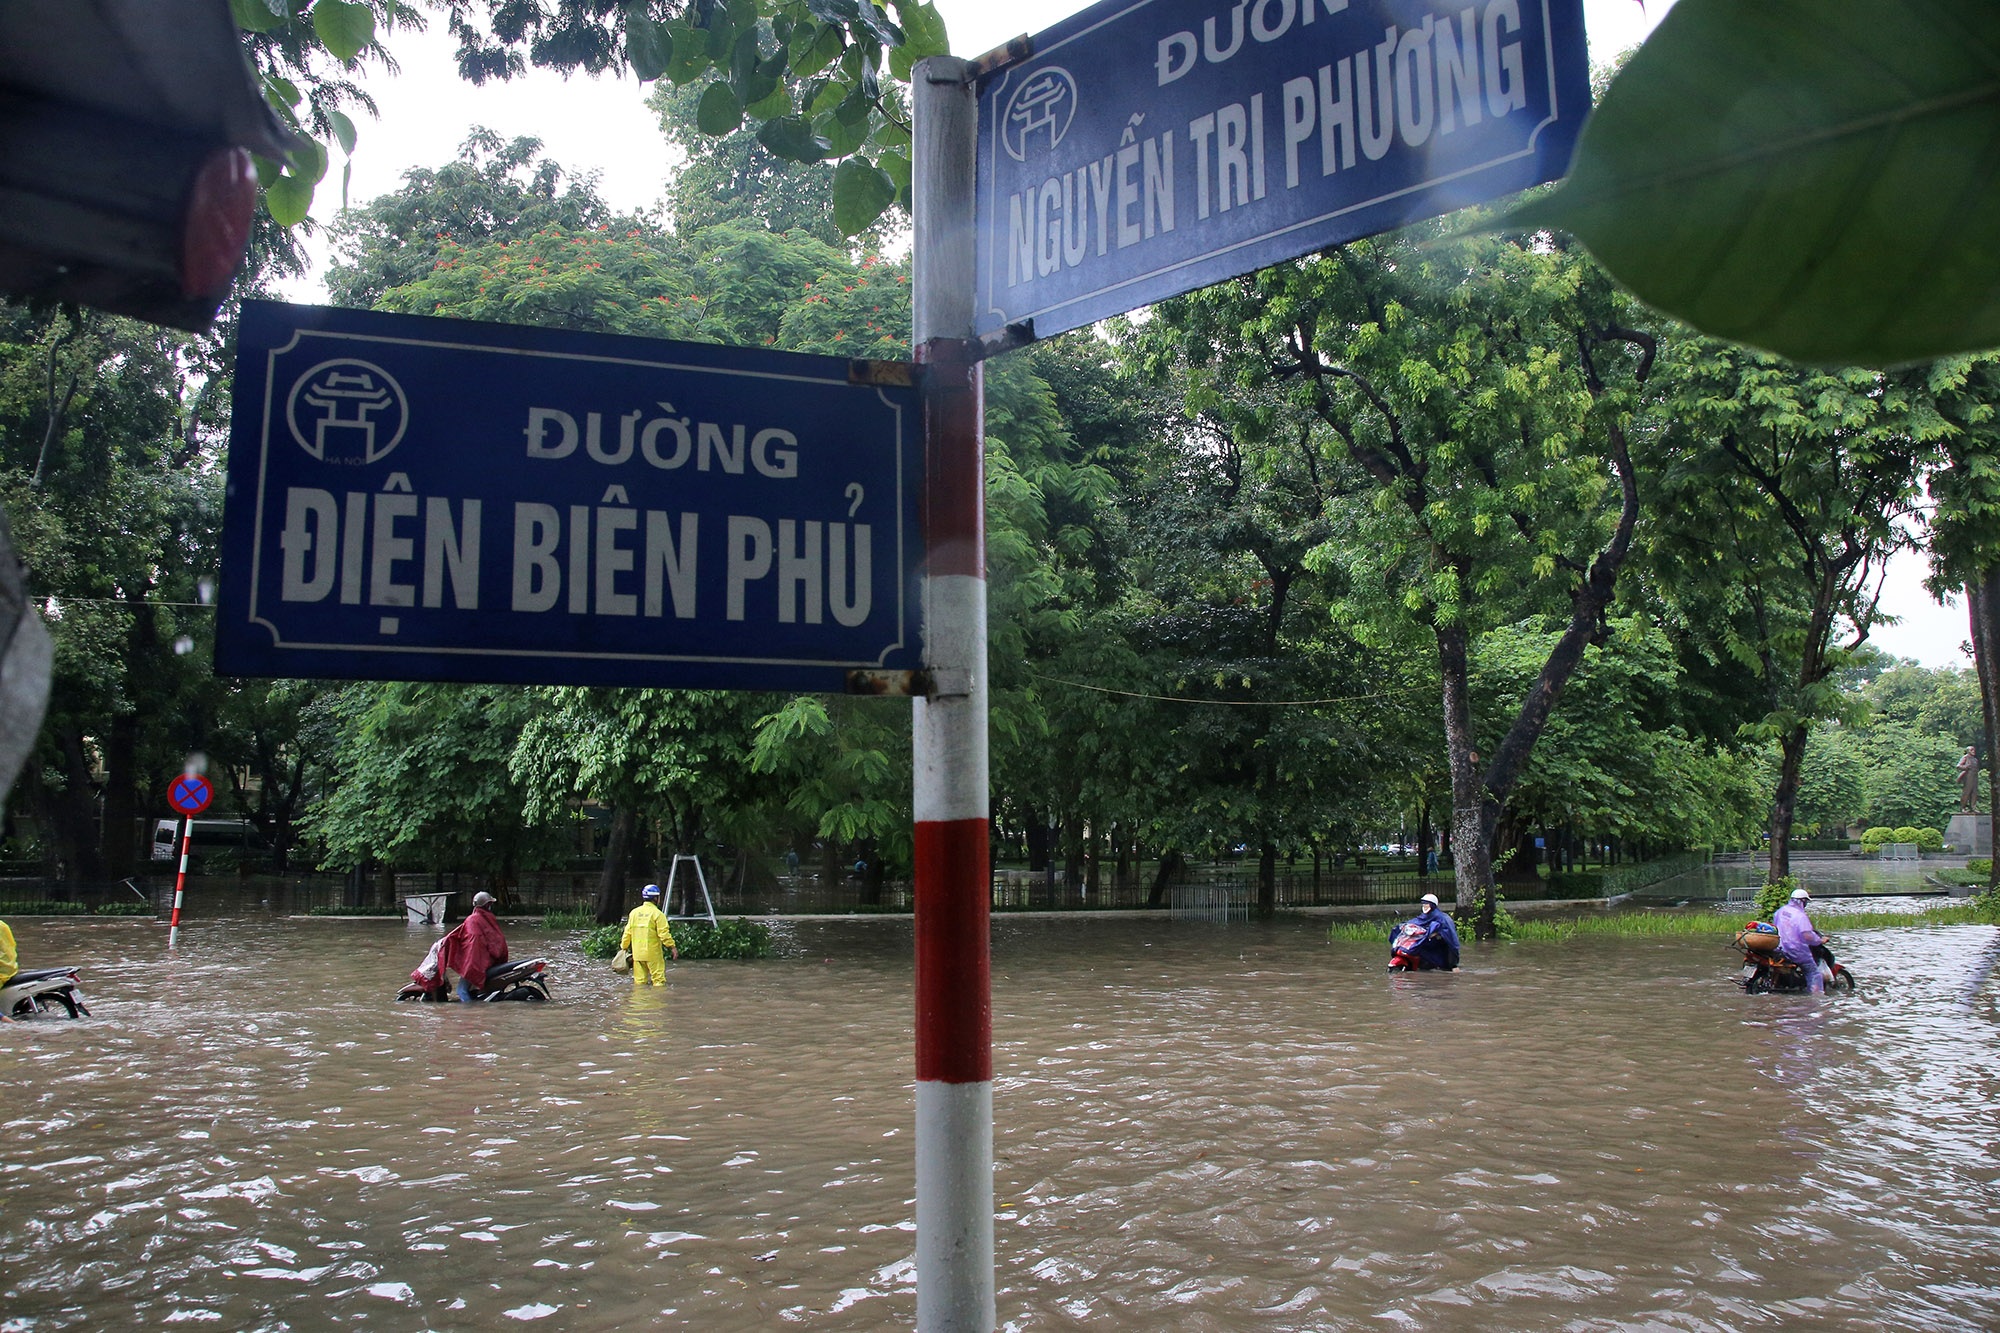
<point x="601" y="125"/>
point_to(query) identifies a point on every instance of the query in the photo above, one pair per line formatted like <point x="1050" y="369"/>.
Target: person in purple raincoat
<point x="1797" y="939"/>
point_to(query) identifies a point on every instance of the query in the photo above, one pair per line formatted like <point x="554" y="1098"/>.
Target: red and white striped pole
<point x="953" y="875"/>
<point x="180" y="880"/>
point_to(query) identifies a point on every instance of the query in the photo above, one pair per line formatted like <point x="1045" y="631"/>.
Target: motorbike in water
<point x="1404" y="955"/>
<point x="1766" y="971"/>
<point x="36" y="991"/>
<point x="525" y="980"/>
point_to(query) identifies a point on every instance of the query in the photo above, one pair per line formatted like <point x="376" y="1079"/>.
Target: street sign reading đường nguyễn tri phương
<point x="1148" y="148"/>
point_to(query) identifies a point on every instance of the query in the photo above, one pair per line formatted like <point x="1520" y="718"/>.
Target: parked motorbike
<point x="1765" y="970"/>
<point x="524" y="980"/>
<point x="1403" y="955"/>
<point x="42" y="990"/>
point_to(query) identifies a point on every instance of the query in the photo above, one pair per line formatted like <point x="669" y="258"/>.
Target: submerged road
<point x="1198" y="1127"/>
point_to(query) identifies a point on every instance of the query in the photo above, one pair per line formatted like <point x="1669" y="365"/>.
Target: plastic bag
<point x="622" y="961"/>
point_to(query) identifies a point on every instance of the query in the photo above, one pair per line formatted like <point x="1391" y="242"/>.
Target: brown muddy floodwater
<point x="1198" y="1127"/>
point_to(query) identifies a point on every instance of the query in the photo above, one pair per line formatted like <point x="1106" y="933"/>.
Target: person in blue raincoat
<point x="1437" y="947"/>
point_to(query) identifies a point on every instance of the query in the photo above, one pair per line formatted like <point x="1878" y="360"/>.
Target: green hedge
<point x="732" y="937"/>
<point x="1610" y="881"/>
<point x="1926" y="839"/>
<point x="354" y="911"/>
<point x="122" y="909"/>
<point x="1576" y="884"/>
<point x="42" y="909"/>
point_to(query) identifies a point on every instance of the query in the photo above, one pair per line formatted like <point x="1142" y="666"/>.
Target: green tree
<point x="818" y="78"/>
<point x="1482" y="390"/>
<point x="104" y="466"/>
<point x="1786" y="492"/>
<point x="422" y="779"/>
<point x="1965" y="534"/>
<point x="1911" y="779"/>
<point x="493" y="190"/>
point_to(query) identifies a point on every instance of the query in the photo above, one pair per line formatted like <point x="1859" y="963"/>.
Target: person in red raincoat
<point x="473" y="946"/>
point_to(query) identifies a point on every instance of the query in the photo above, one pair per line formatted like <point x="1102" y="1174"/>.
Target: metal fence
<point x="1199" y="891"/>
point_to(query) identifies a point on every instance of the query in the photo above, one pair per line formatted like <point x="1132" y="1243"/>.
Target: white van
<point x="208" y="835"/>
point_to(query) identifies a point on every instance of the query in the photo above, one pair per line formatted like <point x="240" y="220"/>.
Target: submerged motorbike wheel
<point x="46" y="1003"/>
<point x="1842" y="981"/>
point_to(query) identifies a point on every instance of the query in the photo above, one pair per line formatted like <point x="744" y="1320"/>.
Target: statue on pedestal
<point x="1968" y="781"/>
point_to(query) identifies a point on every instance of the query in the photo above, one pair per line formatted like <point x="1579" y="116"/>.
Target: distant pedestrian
<point x="1431" y="861"/>
<point x="646" y="936"/>
<point x="792" y="862"/>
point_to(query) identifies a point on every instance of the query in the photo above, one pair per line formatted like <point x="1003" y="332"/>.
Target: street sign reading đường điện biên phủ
<point x="413" y="498"/>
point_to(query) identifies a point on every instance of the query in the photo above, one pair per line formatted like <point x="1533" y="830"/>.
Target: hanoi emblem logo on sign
<point x="1041" y="108"/>
<point x="347" y="411"/>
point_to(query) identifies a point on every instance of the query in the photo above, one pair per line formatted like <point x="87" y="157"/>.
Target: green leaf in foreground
<point x="861" y="192"/>
<point x="344" y="28"/>
<point x="718" y="112"/>
<point x="289" y="199"/>
<point x="1819" y="180"/>
<point x="792" y="138"/>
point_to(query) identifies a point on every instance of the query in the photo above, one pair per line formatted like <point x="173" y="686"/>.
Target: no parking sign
<point x="189" y="794"/>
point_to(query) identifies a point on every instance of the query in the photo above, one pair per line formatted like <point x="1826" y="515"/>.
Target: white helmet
<point x="1430" y="898"/>
<point x="1798" y="894"/>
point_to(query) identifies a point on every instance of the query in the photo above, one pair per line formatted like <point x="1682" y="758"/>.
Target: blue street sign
<point x="1149" y="147"/>
<point x="431" y="499"/>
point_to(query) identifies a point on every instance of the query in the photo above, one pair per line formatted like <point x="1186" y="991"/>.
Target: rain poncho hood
<point x="473" y="946"/>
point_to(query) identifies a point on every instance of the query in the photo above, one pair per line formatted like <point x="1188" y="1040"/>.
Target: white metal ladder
<point x="687" y="894"/>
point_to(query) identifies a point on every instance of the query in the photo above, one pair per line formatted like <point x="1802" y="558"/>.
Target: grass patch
<point x="1706" y="925"/>
<point x="1634" y="925"/>
<point x="578" y="918"/>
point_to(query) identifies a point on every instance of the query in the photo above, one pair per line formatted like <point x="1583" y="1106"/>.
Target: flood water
<point x="1199" y="1127"/>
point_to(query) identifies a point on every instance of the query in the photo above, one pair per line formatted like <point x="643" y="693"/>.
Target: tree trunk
<point x="1424" y="837"/>
<point x="617" y="853"/>
<point x="1170" y="864"/>
<point x="1792" y="749"/>
<point x="1982" y="600"/>
<point x="1267" y="881"/>
<point x="1471" y="850"/>
<point x="75" y="817"/>
<point x="1041" y="840"/>
<point x="121" y="795"/>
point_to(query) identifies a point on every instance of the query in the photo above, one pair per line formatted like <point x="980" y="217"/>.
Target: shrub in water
<point x="41" y="909"/>
<point x="1872" y="839"/>
<point x="1930" y="839"/>
<point x="123" y="909"/>
<point x="729" y="938"/>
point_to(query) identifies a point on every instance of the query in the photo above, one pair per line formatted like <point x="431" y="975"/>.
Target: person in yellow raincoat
<point x="10" y="962"/>
<point x="647" y="935"/>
